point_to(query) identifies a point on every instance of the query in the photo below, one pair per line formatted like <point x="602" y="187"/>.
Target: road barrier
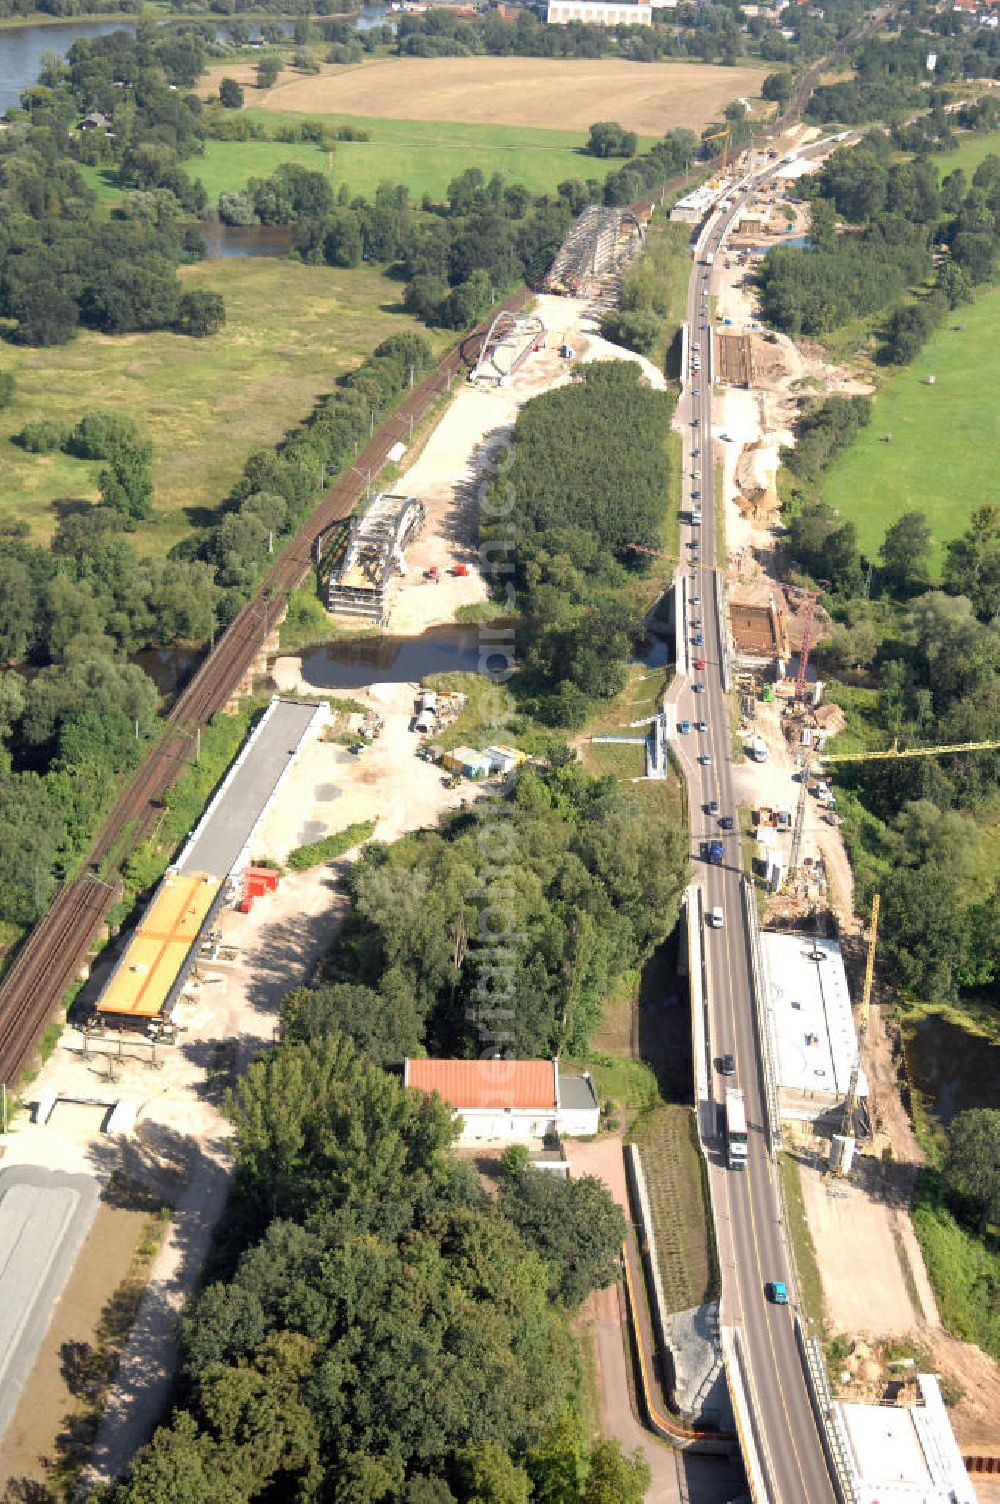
<point x="828" y="1422"/>
<point x="763" y="1016"/>
<point x="743" y="1412"/>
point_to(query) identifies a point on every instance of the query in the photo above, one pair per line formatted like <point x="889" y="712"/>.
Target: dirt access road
<point x="565" y="94"/>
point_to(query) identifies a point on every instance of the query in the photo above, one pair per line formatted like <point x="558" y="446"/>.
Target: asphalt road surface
<point x="751" y="1241"/>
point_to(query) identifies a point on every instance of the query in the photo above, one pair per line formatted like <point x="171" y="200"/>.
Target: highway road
<point x="750" y="1235"/>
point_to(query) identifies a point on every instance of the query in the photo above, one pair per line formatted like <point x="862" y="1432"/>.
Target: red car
<point x="699" y="663"/>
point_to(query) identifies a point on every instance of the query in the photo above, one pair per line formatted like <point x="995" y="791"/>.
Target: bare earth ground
<point x="562" y="94"/>
<point x="861" y="1229"/>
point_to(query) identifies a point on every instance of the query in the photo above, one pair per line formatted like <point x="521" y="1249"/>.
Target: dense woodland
<point x="377" y="1328"/>
<point x="589" y="477"/>
<point x="875" y="222"/>
<point x="591" y="891"/>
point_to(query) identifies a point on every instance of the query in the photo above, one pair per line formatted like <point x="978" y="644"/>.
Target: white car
<point x="705" y="759"/>
<point x="715" y="917"/>
<point x="696" y="600"/>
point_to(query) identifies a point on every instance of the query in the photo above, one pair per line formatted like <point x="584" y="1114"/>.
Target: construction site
<point x="380" y="532"/>
<point x="591" y="259"/>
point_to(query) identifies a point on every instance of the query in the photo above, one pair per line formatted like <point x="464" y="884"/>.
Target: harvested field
<point x="567" y="94"/>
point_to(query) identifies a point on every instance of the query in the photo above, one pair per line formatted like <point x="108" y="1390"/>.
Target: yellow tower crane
<point x="725" y="137"/>
<point x="851" y="1100"/>
<point x="887" y="755"/>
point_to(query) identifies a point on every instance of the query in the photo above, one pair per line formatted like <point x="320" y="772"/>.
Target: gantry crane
<point x="888" y="754"/>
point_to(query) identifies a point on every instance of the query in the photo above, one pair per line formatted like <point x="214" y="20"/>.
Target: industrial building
<point x="817" y="1044"/>
<point x="509" y="1101"/>
<point x="150" y="974"/>
<point x="374" y="554"/>
<point x="599" y="12"/>
<point x="905" y="1454"/>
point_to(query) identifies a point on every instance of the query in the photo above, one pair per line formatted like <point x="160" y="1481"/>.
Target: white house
<point x="509" y="1101"/>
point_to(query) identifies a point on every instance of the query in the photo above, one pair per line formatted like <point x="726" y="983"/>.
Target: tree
<point x="907" y="332"/>
<point x="575" y="1225"/>
<point x="609" y="139"/>
<point x="231" y="94"/>
<point x="268" y="68"/>
<point x="200" y="313"/>
<point x="955" y="283"/>
<point x="973" y="1163"/>
<point x="615" y="1478"/>
<point x="972" y="566"/>
<point x="636" y="331"/>
<point x="778" y="87"/>
<point x="486" y="1475"/>
<point x="905" y="551"/>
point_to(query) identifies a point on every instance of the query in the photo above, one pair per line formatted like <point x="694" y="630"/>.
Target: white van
<point x="715" y="917"/>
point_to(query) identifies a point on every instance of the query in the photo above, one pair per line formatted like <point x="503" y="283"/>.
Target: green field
<point x="968" y="154"/>
<point x="425" y="156"/>
<point x="206" y="404"/>
<point x="945" y="438"/>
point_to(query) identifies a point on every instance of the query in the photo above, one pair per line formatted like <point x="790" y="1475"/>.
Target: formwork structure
<point x="758" y="632"/>
<point x="601" y="241"/>
<point x="154" y="964"/>
<point x="359" y="586"/>
<point x="734" y="359"/>
<point x="511" y="338"/>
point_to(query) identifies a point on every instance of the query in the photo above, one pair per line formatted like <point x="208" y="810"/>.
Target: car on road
<point x="695" y="495"/>
<point x="727" y="1065"/>
<point x="696" y="600"/>
<point x="696" y="391"/>
<point x="696" y="453"/>
<point x="715" y="917"/>
<point x="705" y="759"/>
<point x="698" y="640"/>
<point x="699" y="689"/>
<point x="777" y="1292"/>
<point x="684" y="727"/>
<point x="695" y="422"/>
<point x="726" y="822"/>
<point x="702" y="726"/>
<point x="699" y="663"/>
<point x="712" y="807"/>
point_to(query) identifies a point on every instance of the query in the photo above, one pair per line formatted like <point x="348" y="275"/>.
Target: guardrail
<point x="722" y="622"/>
<point x="763" y="1015"/>
<point x="828" y="1422"/>
<point x="743" y="1413"/>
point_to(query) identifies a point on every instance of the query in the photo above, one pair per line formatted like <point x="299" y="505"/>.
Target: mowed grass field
<point x="291" y="331"/>
<point x="426" y="156"/>
<point x="563" y="94"/>
<point x="945" y="445"/>
<point x="968" y="154"/>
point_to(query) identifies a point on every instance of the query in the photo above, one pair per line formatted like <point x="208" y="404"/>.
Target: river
<point x="22" y="47"/>
<point x="352" y="662"/>
<point x="952" y="1069"/>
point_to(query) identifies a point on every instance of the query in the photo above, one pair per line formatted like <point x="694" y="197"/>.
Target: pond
<point x="229" y="242"/>
<point x="169" y="668"/>
<point x="352" y="662"/>
<point x="21" y="47"/>
<point x="951" y="1068"/>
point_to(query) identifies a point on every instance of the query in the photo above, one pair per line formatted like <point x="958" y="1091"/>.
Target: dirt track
<point x="556" y="93"/>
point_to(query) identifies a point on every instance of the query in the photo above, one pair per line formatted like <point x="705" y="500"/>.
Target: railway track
<point x="54" y="952"/>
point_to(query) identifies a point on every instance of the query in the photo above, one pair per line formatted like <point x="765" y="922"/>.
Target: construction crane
<point x="890" y="754"/>
<point x="851" y="1100"/>
<point x="725" y="136"/>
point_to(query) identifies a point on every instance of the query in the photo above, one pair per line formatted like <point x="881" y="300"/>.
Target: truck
<point x="696" y="516"/>
<point x="714" y="852"/>
<point x="709" y="258"/>
<point x="737" y="1148"/>
<point x="783" y="817"/>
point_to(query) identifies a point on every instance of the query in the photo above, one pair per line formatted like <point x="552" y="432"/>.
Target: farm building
<point x="509" y="1101"/>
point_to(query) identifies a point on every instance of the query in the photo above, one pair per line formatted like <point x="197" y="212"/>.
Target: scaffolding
<point x="600" y="243"/>
<point x="511" y="339"/>
<point x="359" y="586"/>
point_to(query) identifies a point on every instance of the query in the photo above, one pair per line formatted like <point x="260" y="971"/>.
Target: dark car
<point x="727" y="1065"/>
<point x="725" y="822"/>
